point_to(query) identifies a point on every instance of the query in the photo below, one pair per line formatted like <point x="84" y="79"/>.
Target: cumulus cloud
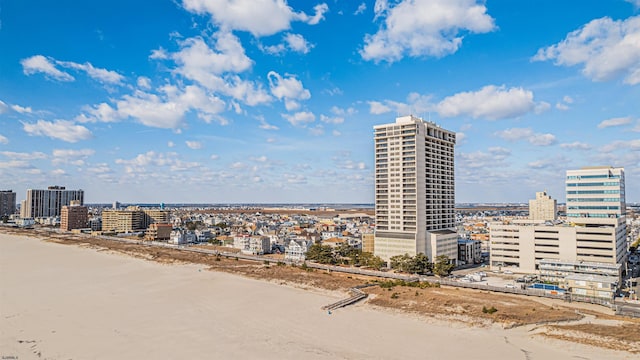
<point x="264" y="125"/>
<point x="21" y="109"/>
<point x="102" y="75"/>
<point x="165" y="110"/>
<point x="144" y="82"/>
<point x="40" y="64"/>
<point x="331" y="119"/>
<point x="288" y="88"/>
<point x="490" y="102"/>
<point x="260" y="18"/>
<point x="576" y="145"/>
<point x="71" y="156"/>
<point x="195" y="145"/>
<point x="361" y="8"/>
<point x="3" y="107"/>
<point x="297" y="43"/>
<point x="142" y="162"/>
<point x="627" y="145"/>
<point x="538" y="139"/>
<point x="36" y="155"/>
<point x="415" y="104"/>
<point x="60" y="129"/>
<point x="300" y="118"/>
<point x="424" y="28"/>
<point x="492" y="158"/>
<point x="605" y="49"/>
<point x="3" y="140"/>
<point x="615" y="122"/>
<point x="216" y="68"/>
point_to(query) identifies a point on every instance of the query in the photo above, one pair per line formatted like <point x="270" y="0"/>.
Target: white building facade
<point x="415" y="189"/>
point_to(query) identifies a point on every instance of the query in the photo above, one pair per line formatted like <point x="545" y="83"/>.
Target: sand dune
<point x="67" y="302"/>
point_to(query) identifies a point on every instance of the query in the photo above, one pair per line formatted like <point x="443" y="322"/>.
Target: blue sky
<point x="275" y="101"/>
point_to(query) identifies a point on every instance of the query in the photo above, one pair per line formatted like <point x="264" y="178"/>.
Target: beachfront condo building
<point x="7" y="202"/>
<point x="594" y="232"/>
<point x="133" y="218"/>
<point x="543" y="207"/>
<point x="414" y="189"/>
<point x="74" y="216"/>
<point x="49" y="202"/>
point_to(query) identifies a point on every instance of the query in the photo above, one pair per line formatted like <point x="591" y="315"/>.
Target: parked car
<point x="508" y="272"/>
<point x="510" y="286"/>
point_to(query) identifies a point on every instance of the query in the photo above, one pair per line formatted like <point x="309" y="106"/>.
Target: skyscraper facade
<point x="596" y="203"/>
<point x="47" y="203"/>
<point x="7" y="202"/>
<point x="414" y="189"/>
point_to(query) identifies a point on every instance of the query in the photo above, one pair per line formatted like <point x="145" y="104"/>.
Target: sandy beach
<point x="69" y="302"/>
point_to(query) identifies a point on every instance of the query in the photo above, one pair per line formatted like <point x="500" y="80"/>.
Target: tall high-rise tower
<point x="415" y="189"/>
<point x="45" y="203"/>
<point x="596" y="203"/>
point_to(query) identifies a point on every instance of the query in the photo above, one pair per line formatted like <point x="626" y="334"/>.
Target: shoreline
<point x="294" y="313"/>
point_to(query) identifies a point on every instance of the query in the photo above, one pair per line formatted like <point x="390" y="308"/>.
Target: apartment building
<point x="74" y="216"/>
<point x="415" y="189"/>
<point x="543" y="207"/>
<point x="133" y="218"/>
<point x="49" y="202"/>
<point x="7" y="202"/>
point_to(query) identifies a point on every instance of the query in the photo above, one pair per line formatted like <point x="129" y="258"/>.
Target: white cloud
<point x="214" y="157"/>
<point x="144" y="82"/>
<point x="297" y="43"/>
<point x="317" y="130"/>
<point x="265" y="125"/>
<point x="165" y="110"/>
<point x="538" y="139"/>
<point x="576" y="146"/>
<point x="21" y="110"/>
<point x="142" y="162"/>
<point x="75" y="157"/>
<point x="361" y="8"/>
<point x="377" y="108"/>
<point x="615" y="122"/>
<point x="424" y="28"/>
<point x="288" y="88"/>
<point x="102" y="75"/>
<point x="36" y="155"/>
<point x="635" y="3"/>
<point x="637" y="127"/>
<point x="195" y="145"/>
<point x="336" y="133"/>
<point x="40" y="64"/>
<point x="490" y="102"/>
<point x="259" y="17"/>
<point x="171" y="144"/>
<point x="567" y="99"/>
<point x="541" y="107"/>
<point x="215" y="68"/>
<point x="331" y="120"/>
<point x="561" y="106"/>
<point x="300" y="118"/>
<point x="3" y="140"/>
<point x="60" y="129"/>
<point x="605" y="48"/>
<point x="625" y="145"/>
<point x="3" y="107"/>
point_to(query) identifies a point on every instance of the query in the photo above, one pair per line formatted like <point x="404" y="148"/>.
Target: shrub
<point x="490" y="310"/>
<point x="280" y="263"/>
<point x="395" y="295"/>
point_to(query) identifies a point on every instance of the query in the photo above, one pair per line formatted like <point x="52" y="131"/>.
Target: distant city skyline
<point x="195" y="101"/>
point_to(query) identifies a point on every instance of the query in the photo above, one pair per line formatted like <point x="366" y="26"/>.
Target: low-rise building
<point x="158" y="232"/>
<point x="296" y="250"/>
<point x="591" y="287"/>
<point x="469" y="251"/>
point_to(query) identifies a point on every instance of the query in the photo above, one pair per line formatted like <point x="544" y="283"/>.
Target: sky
<point x="274" y="101"/>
